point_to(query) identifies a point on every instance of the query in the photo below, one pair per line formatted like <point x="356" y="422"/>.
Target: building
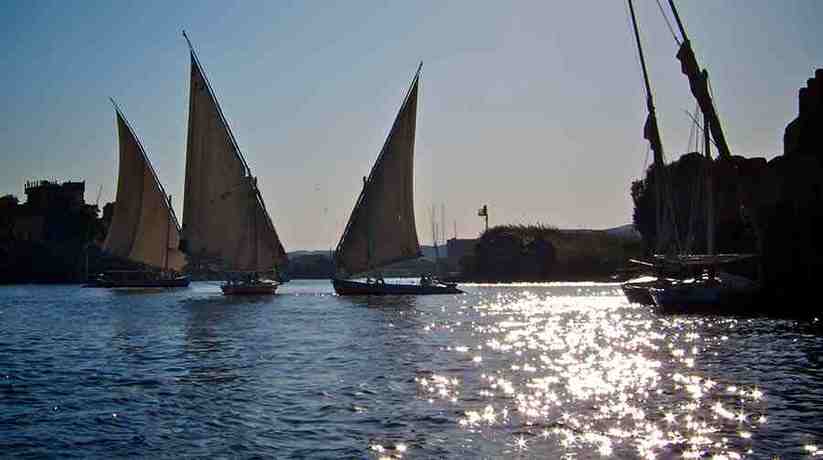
<point x="44" y="195"/>
<point x="53" y="211"/>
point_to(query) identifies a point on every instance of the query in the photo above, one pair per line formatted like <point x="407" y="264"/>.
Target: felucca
<point x="711" y="291"/>
<point x="637" y="289"/>
<point x="381" y="229"/>
<point x="226" y="226"/>
<point x="144" y="228"/>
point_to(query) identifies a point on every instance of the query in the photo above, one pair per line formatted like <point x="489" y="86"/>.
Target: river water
<point x="528" y="371"/>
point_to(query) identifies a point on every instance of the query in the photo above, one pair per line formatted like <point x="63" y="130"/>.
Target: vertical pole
<point x="709" y="194"/>
<point x="254" y="225"/>
<point x="443" y="223"/>
<point x="653" y="136"/>
<point x="168" y="231"/>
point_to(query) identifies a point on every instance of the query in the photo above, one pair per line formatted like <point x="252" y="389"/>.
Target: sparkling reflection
<point x="589" y="373"/>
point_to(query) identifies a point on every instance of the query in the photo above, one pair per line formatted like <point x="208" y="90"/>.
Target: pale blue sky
<point x="534" y="108"/>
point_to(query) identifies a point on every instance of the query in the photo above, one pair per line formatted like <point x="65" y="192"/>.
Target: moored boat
<point x="636" y="290"/>
<point x="720" y="293"/>
<point x="707" y="292"/>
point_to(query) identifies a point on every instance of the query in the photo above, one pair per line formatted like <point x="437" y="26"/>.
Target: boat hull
<point x="179" y="282"/>
<point x="704" y="298"/>
<point x="251" y="288"/>
<point x="638" y="293"/>
<point x="347" y="287"/>
<point x="638" y="290"/>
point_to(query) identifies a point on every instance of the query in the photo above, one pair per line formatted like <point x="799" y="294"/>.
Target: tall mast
<point x="168" y="231"/>
<point x="699" y="84"/>
<point x="253" y="208"/>
<point x="652" y="133"/>
<point x="443" y="223"/>
<point x="709" y="189"/>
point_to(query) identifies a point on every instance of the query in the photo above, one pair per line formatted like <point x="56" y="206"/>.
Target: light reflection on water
<point x="530" y="370"/>
<point x="577" y="367"/>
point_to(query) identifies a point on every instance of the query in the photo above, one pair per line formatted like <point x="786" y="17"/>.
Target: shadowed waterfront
<point x="529" y="370"/>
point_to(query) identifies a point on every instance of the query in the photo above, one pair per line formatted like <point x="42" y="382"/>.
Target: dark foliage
<point x="542" y="253"/>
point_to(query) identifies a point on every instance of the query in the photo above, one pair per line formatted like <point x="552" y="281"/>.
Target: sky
<point x="533" y="108"/>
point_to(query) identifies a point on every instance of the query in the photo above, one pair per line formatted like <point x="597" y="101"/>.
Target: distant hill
<point x="318" y="265"/>
<point x="625" y="231"/>
<point x="428" y="252"/>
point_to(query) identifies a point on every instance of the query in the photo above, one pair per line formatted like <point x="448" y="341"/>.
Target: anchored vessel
<point x="637" y="289"/>
<point x="381" y="229"/>
<point x="226" y="226"/>
<point x="711" y="291"/>
<point x="144" y="228"/>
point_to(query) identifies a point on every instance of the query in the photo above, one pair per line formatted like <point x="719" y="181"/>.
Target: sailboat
<point x="381" y="229"/>
<point x="711" y="291"/>
<point x="144" y="228"/>
<point x="226" y="226"/>
<point x="637" y="289"/>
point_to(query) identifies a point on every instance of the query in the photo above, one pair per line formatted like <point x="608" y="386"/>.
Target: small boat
<point x="381" y="229"/>
<point x="251" y="284"/>
<point x="226" y="226"/>
<point x="138" y="279"/>
<point x="380" y="287"/>
<point x="144" y="228"/>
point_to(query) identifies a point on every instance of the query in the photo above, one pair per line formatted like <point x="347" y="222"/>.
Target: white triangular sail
<point x="143" y="228"/>
<point x="381" y="229"/>
<point x="224" y="217"/>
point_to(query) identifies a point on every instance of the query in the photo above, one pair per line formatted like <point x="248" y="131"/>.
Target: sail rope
<point x="701" y="130"/>
<point x="668" y="23"/>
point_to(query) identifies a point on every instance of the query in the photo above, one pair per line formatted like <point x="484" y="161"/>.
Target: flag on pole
<point x="483" y="212"/>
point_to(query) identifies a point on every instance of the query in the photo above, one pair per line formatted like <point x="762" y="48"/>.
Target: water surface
<point x="527" y="371"/>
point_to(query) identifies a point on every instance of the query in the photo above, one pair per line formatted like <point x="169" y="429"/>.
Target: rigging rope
<point x="668" y="23"/>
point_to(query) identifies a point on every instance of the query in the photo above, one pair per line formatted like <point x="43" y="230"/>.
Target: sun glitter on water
<point x="590" y="373"/>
